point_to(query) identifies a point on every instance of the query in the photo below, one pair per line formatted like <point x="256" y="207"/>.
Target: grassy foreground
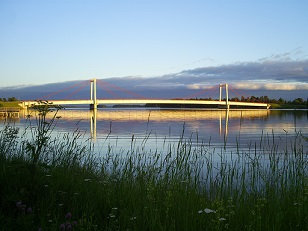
<point x="59" y="184"/>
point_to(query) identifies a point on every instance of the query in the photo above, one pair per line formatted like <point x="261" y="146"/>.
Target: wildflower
<point x="74" y="223"/>
<point x="200" y="211"/>
<point x="133" y="218"/>
<point x="19" y="205"/>
<point x="62" y="227"/>
<point x="69" y="226"/>
<point x="222" y="219"/>
<point x="68" y="216"/>
<point x="29" y="210"/>
<point x="206" y="210"/>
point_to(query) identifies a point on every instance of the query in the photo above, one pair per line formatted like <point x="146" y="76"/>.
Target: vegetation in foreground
<point x="57" y="183"/>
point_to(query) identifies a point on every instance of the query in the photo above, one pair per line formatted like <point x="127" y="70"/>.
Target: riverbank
<point x="288" y="106"/>
<point x="60" y="184"/>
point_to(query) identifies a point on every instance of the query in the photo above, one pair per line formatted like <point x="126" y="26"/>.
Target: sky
<point x="192" y="44"/>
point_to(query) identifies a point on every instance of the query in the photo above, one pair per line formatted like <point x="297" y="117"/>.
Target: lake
<point x="153" y="128"/>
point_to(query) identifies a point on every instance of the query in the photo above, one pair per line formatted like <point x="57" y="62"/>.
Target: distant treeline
<point x="297" y="103"/>
<point x="10" y="99"/>
<point x="262" y="99"/>
<point x="255" y="99"/>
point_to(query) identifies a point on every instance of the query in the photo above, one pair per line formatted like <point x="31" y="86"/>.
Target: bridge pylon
<point x="227" y="106"/>
<point x="93" y="94"/>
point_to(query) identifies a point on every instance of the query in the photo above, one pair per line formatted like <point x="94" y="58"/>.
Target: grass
<point x="60" y="184"/>
<point x="9" y="104"/>
<point x="288" y="106"/>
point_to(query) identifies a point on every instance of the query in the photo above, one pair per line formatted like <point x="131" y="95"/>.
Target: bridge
<point x="93" y="102"/>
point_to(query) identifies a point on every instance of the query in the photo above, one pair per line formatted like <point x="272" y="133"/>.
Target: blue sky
<point x="47" y="41"/>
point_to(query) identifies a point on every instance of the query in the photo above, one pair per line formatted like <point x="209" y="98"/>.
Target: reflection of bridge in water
<point x="156" y="115"/>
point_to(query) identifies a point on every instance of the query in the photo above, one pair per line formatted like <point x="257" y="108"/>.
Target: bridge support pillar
<point x="227" y="106"/>
<point x="93" y="94"/>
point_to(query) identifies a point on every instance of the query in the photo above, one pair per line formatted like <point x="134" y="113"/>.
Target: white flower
<point x="222" y="219"/>
<point x="133" y="218"/>
<point x="200" y="211"/>
<point x="206" y="210"/>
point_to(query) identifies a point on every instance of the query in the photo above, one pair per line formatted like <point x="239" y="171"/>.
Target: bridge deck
<point x="148" y="101"/>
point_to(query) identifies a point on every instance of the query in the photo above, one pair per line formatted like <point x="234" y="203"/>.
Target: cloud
<point x="271" y="86"/>
<point x="274" y="73"/>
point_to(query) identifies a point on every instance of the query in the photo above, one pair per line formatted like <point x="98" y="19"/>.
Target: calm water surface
<point x="153" y="128"/>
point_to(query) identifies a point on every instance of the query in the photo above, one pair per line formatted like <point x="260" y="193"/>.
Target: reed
<point x="59" y="183"/>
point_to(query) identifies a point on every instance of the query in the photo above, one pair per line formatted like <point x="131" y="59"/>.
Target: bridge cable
<point x="214" y="91"/>
<point x="110" y="92"/>
<point x="200" y="93"/>
<point x="243" y="94"/>
<point x="63" y="89"/>
<point x="121" y="89"/>
<point x="77" y="90"/>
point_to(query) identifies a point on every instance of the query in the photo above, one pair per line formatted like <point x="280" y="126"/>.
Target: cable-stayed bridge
<point x="93" y="101"/>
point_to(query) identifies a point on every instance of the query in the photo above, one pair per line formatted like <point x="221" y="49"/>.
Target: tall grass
<point x="59" y="183"/>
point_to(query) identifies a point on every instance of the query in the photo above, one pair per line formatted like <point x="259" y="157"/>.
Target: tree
<point x="236" y="99"/>
<point x="11" y="99"/>
<point x="266" y="99"/>
<point x="281" y="101"/>
<point x="298" y="101"/>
